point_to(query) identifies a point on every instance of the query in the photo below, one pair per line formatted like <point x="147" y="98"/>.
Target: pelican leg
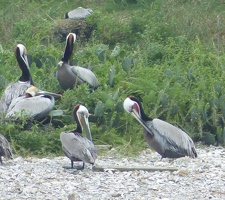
<point x="80" y="167"/>
<point x="74" y="167"/>
<point x="69" y="167"/>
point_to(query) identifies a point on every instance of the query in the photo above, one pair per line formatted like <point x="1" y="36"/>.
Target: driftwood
<point x="133" y="168"/>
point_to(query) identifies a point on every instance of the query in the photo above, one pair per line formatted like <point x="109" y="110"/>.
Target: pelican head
<point x="70" y="40"/>
<point x="132" y="105"/>
<point x="21" y="56"/>
<point x="21" y="51"/>
<point x="34" y="91"/>
<point x="81" y="113"/>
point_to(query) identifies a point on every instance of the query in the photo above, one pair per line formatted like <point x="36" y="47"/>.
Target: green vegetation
<point x="170" y="54"/>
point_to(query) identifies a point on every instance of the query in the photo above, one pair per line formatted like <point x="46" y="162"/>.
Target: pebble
<point x="34" y="178"/>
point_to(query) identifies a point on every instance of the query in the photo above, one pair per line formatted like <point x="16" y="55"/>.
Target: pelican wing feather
<point x="174" y="136"/>
<point x="77" y="147"/>
<point x="5" y="149"/>
<point x="85" y="75"/>
<point x="12" y="91"/>
<point x="34" y="107"/>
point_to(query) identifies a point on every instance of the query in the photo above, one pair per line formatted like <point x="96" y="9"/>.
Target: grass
<point x="169" y="54"/>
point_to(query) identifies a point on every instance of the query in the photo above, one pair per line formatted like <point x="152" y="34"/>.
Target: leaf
<point x="116" y="95"/>
<point x="99" y="109"/>
<point x="57" y="123"/>
<point x="67" y="119"/>
<point x="115" y="51"/>
<point x="100" y="51"/>
<point x="109" y="104"/>
<point x="168" y="73"/>
<point x="56" y="113"/>
<point x="126" y="64"/>
<point x="1" y="49"/>
<point x="119" y="107"/>
<point x="2" y="81"/>
<point x="112" y="72"/>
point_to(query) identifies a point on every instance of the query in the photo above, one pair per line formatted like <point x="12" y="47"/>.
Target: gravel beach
<point x="201" y="178"/>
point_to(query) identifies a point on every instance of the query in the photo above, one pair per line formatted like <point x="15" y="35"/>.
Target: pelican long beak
<point x="42" y="92"/>
<point x="85" y="124"/>
<point x="138" y="118"/>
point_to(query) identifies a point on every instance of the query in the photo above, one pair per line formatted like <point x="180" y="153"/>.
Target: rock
<point x="199" y="178"/>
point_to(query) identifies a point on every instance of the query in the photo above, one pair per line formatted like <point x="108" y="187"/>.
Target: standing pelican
<point x="69" y="76"/>
<point x="14" y="90"/>
<point x="75" y="146"/>
<point x="166" y="139"/>
<point x="35" y="103"/>
<point x="5" y="149"/>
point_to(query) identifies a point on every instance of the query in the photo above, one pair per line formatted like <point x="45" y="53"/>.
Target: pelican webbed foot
<point x="74" y="167"/>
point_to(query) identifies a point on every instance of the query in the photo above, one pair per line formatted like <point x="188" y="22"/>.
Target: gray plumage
<point x="166" y="139"/>
<point x="31" y="106"/>
<point x="5" y="149"/>
<point x="75" y="146"/>
<point x="78" y="13"/>
<point x="14" y="90"/>
<point x="69" y="76"/>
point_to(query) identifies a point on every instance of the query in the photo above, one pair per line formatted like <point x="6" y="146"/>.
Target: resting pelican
<point x="166" y="139"/>
<point x="69" y="76"/>
<point x="5" y="149"/>
<point x="14" y="90"/>
<point x="78" y="13"/>
<point x="75" y="146"/>
<point x="35" y="103"/>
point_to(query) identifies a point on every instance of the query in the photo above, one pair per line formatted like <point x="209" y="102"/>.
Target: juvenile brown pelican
<point x="5" y="149"/>
<point x="166" y="139"/>
<point x="14" y="90"/>
<point x="69" y="76"/>
<point x="75" y="146"/>
<point x="34" y="104"/>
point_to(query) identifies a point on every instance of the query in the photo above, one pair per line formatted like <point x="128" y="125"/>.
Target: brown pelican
<point x="166" y="139"/>
<point x="35" y="103"/>
<point x="14" y="90"/>
<point x="75" y="146"/>
<point x="69" y="76"/>
<point x="5" y="149"/>
<point x="78" y="13"/>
